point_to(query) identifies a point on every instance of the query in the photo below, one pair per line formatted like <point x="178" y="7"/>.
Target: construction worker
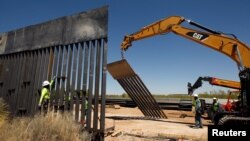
<point x="198" y="111"/>
<point x="214" y="108"/>
<point x="45" y="94"/>
<point x="215" y="105"/>
<point x="83" y="121"/>
<point x="86" y="107"/>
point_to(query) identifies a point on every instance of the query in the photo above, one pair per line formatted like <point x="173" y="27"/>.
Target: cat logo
<point x="198" y="36"/>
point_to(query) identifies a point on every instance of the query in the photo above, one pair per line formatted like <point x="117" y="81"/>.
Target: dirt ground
<point x="130" y="126"/>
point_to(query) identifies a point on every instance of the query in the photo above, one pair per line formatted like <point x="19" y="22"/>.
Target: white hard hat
<point x="195" y="95"/>
<point x="214" y="98"/>
<point x="45" y="83"/>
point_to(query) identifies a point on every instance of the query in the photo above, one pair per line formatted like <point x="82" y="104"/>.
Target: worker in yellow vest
<point x="215" y="105"/>
<point x="45" y="94"/>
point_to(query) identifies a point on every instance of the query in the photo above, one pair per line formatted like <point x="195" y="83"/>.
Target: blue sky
<point x="165" y="63"/>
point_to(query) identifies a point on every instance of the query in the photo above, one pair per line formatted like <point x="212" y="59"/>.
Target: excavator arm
<point x="213" y="81"/>
<point x="228" y="45"/>
<point x="160" y="27"/>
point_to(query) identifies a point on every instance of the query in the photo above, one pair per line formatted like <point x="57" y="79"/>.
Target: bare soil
<point x="140" y="129"/>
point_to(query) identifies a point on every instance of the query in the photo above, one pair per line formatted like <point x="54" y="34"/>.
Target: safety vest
<point x="45" y="95"/>
<point x="193" y="103"/>
<point x="216" y="106"/>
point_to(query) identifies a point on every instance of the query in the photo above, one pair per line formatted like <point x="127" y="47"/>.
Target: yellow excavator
<point x="227" y="44"/>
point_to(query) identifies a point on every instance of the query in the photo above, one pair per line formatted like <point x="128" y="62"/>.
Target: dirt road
<point x="130" y="125"/>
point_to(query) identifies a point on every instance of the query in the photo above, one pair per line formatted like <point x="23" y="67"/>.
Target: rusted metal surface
<point x="74" y="50"/>
<point x="120" y="69"/>
<point x="81" y="27"/>
<point x="136" y="89"/>
<point x="103" y="85"/>
<point x="85" y="76"/>
<point x="89" y="124"/>
<point x="97" y="83"/>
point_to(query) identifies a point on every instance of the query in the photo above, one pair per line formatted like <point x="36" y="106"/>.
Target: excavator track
<point x="233" y="120"/>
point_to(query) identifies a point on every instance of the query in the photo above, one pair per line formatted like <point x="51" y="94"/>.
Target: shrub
<point x="3" y="111"/>
<point x="51" y="127"/>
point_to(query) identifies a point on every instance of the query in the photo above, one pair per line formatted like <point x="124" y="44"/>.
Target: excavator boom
<point x="228" y="45"/>
<point x="225" y="83"/>
<point x="160" y="27"/>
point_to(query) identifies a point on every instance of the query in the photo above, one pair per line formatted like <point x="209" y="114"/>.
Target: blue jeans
<point x="198" y="121"/>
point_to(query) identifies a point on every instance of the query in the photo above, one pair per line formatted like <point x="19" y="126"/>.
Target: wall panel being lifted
<point x="136" y="89"/>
